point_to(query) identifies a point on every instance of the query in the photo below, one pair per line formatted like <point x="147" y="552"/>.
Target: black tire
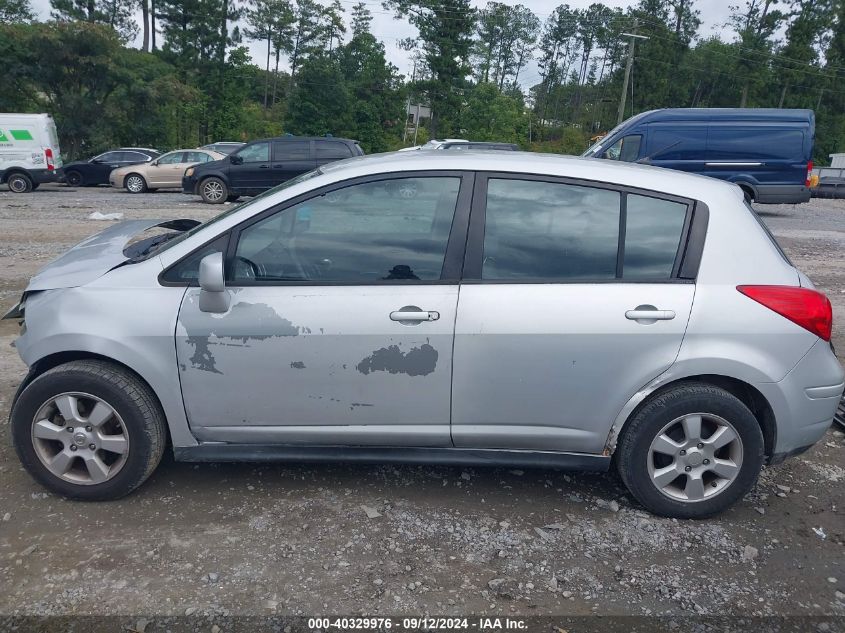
<point x="35" y="185"/>
<point x="133" y="401"/>
<point x="74" y="179"/>
<point x="138" y="186"/>
<point x="633" y="451"/>
<point x="748" y="194"/>
<point x="19" y="182"/>
<point x="213" y="190"/>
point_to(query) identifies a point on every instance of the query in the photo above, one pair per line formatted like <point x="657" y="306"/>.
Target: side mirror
<point x="213" y="295"/>
<point x="236" y="160"/>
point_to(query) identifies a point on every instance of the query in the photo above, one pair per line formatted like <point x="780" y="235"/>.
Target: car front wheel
<point x="88" y="430"/>
<point x="214" y="191"/>
<point x="691" y="452"/>
<point x="135" y="183"/>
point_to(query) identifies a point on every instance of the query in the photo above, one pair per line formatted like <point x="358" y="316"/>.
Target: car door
<point x="167" y="170"/>
<point x="250" y="173"/>
<point x="101" y="166"/>
<point x="291" y="158"/>
<point x="572" y="301"/>
<point x="341" y="321"/>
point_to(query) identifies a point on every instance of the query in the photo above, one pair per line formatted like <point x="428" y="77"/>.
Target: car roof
<point x="593" y="169"/>
<point x="133" y="149"/>
<point x="306" y="138"/>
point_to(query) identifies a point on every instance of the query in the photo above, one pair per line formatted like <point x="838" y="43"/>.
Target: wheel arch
<point x="11" y="171"/>
<point x="746" y="393"/>
<point x="50" y="361"/>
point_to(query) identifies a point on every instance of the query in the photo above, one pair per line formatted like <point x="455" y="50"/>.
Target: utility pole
<point x="634" y="37"/>
<point x="408" y="107"/>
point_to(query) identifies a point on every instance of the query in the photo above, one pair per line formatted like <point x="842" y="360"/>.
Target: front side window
<point x="109" y="157"/>
<point x="171" y="159"/>
<point x="544" y="230"/>
<point x="365" y="233"/>
<point x="255" y="153"/>
<point x="626" y="149"/>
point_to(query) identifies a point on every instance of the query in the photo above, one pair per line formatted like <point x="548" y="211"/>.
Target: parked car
<point x="224" y="147"/>
<point x="481" y="145"/>
<point x="609" y="315"/>
<point x="830" y="183"/>
<point x="161" y="173"/>
<point x="261" y="165"/>
<point x="96" y="171"/>
<point x="767" y="152"/>
<point x="29" y="151"/>
<point x="433" y="144"/>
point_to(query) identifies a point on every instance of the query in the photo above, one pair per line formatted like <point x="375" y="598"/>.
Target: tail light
<point x="48" y="153"/>
<point x="808" y="308"/>
<point x="809" y="173"/>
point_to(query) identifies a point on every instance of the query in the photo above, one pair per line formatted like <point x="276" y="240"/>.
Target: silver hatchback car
<point x="518" y="309"/>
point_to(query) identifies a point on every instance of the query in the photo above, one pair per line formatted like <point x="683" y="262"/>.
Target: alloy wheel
<point x="213" y="191"/>
<point x="695" y="457"/>
<point x="135" y="184"/>
<point x="80" y="438"/>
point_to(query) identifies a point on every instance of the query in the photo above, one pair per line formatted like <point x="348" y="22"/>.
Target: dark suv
<point x="263" y="164"/>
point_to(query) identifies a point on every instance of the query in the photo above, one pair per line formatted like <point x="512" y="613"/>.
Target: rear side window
<point x="549" y="231"/>
<point x="544" y="230"/>
<point x="133" y="157"/>
<point x="172" y="159"/>
<point x="291" y="150"/>
<point x="755" y="143"/>
<point x="653" y="230"/>
<point x="332" y="150"/>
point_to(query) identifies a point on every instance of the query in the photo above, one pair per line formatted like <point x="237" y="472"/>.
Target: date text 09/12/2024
<point x="418" y="623"/>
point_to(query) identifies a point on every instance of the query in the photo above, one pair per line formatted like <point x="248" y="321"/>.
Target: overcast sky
<point x="714" y="14"/>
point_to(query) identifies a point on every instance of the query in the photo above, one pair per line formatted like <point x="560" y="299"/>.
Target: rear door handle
<point x="409" y="315"/>
<point x="642" y="313"/>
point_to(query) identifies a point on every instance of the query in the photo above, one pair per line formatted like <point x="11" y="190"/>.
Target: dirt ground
<point x="292" y="539"/>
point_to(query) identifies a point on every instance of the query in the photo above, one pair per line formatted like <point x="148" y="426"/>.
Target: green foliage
<point x="490" y="115"/>
<point x="12" y="11"/>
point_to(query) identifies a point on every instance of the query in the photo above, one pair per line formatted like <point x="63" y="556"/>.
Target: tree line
<point x="182" y="75"/>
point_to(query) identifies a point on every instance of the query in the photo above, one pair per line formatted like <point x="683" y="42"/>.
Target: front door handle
<point x="649" y="313"/>
<point x="414" y="315"/>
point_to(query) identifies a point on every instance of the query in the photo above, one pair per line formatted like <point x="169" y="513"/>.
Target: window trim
<point x="455" y="246"/>
<point x="687" y="257"/>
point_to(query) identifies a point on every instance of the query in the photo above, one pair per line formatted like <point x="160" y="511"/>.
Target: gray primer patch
<point x="419" y="361"/>
<point x="260" y="320"/>
<point x="297" y="364"/>
<point x="202" y="358"/>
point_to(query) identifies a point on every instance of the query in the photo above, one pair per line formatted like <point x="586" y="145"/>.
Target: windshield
<point x="160" y="247"/>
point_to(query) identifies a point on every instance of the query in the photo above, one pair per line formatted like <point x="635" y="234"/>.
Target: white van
<point x="29" y="151"/>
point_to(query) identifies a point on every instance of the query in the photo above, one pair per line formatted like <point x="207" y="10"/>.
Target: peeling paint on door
<point x="418" y="361"/>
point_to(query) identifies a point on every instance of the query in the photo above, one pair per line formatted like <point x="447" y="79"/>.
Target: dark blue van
<point x="766" y="151"/>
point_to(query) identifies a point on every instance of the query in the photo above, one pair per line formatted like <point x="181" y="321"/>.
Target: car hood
<point x="94" y="256"/>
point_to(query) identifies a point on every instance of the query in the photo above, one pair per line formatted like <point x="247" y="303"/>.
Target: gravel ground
<point x="292" y="539"/>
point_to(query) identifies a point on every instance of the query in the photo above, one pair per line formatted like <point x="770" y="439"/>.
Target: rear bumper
<point x="782" y="194"/>
<point x="805" y="401"/>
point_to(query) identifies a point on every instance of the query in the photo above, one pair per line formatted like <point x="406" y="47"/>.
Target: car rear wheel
<point x="690" y="452"/>
<point x="88" y="430"/>
<point x="74" y="179"/>
<point x="19" y="183"/>
<point x="135" y="183"/>
<point x="213" y="191"/>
